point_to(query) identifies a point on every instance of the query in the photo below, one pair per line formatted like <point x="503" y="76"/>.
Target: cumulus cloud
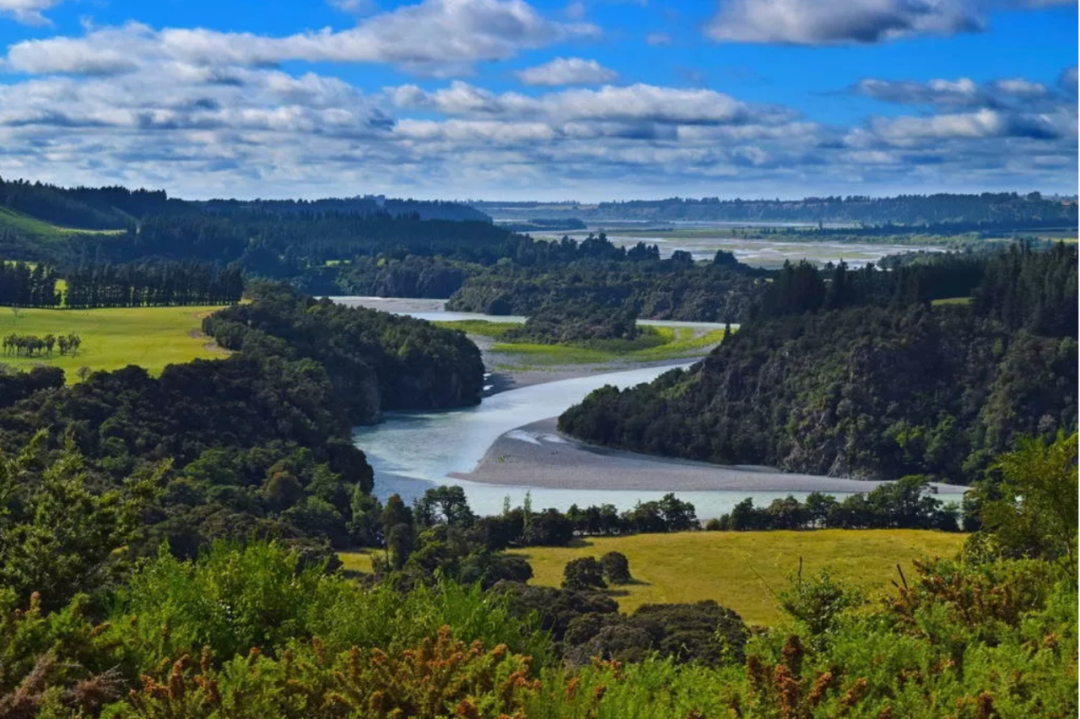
<point x="29" y="12"/>
<point x="632" y="103"/>
<point x="1015" y="94"/>
<point x="355" y="7"/>
<point x="435" y="37"/>
<point x="1068" y="81"/>
<point x="1022" y="121"/>
<point x="206" y="113"/>
<point x="814" y="22"/>
<point x="567" y="71"/>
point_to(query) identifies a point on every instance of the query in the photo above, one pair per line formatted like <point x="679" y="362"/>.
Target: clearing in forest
<point x="151" y="337"/>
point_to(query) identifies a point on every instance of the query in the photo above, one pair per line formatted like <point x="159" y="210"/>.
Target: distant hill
<point x="47" y="223"/>
<point x="423" y="209"/>
<point x="986" y="209"/>
<point x="118" y="208"/>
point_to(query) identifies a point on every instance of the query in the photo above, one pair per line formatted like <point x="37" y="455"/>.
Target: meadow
<point x="741" y="570"/>
<point x="42" y="229"/>
<point x="151" y="337"/>
<point x="655" y="344"/>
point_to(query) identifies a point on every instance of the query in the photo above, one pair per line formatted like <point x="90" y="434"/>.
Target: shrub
<point x="616" y="568"/>
<point x="583" y="573"/>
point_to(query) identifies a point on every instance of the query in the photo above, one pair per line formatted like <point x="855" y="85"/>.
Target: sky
<point x="550" y="100"/>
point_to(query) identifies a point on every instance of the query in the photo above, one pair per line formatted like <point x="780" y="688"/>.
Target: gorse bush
<point x="251" y="632"/>
<point x="439" y="678"/>
<point x="259" y="595"/>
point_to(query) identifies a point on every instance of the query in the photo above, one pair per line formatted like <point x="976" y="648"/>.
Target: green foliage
<point x="616" y="568"/>
<point x="583" y="573"/>
<point x="60" y="536"/>
<point x="1031" y="510"/>
<point x="958" y="639"/>
<point x="907" y="503"/>
<point x="655" y="289"/>
<point x="571" y="322"/>
<point x="817" y="603"/>
<point x="865" y="392"/>
<point x="439" y="678"/>
<point x="374" y="360"/>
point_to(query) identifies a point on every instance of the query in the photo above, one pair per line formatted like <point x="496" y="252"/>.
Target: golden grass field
<point x="151" y="337"/>
<point x="745" y="570"/>
<point x="740" y="570"/>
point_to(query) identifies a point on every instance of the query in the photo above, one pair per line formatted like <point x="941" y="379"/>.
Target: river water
<point x="412" y="452"/>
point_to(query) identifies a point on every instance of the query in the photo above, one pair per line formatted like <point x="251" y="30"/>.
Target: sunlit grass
<point x="151" y="337"/>
<point x="745" y="570"/>
<point x="655" y="344"/>
<point x="40" y="228"/>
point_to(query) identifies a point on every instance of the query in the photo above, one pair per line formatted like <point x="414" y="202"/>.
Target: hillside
<point x="993" y="209"/>
<point x="866" y="391"/>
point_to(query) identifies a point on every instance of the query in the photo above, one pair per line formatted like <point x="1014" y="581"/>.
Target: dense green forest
<point x="374" y="360"/>
<point x="258" y="443"/>
<point x="676" y="289"/>
<point x="139" y="284"/>
<point x="843" y="375"/>
<point x="989" y="209"/>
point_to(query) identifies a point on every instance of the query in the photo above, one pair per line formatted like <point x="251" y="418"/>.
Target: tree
<point x="59" y="536"/>
<point x="444" y="504"/>
<point x="397" y="527"/>
<point x="583" y="573"/>
<point x="616" y="568"/>
<point x="1034" y="513"/>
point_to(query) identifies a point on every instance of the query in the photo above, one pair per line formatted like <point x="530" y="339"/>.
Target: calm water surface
<point x="414" y="451"/>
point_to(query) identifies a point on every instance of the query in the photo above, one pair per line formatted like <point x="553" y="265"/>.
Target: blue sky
<point x="508" y="99"/>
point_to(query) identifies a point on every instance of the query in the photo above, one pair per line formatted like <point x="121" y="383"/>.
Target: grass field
<point x="40" y="228"/>
<point x="952" y="301"/>
<point x="151" y="337"/>
<point x="655" y="344"/>
<point x="740" y="570"/>
<point x="745" y="570"/>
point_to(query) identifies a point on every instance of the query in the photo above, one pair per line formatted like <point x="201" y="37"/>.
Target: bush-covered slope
<point x="864" y="392"/>
<point x="375" y="360"/>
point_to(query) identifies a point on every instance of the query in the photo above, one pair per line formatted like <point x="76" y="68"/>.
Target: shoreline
<point x="536" y="455"/>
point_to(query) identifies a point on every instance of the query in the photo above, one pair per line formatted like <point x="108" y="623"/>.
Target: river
<point x="414" y="451"/>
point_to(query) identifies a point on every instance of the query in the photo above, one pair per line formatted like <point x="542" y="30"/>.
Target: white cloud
<point x="204" y="113"/>
<point x="435" y="37"/>
<point x="1016" y="95"/>
<point x="983" y="123"/>
<point x="567" y="71"/>
<point x="825" y="22"/>
<point x="354" y="7"/>
<point x="29" y="12"/>
<point x="658" y="38"/>
<point x="633" y="103"/>
<point x="811" y="22"/>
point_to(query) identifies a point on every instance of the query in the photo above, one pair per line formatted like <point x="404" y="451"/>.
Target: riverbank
<point x="511" y="368"/>
<point x="536" y="455"/>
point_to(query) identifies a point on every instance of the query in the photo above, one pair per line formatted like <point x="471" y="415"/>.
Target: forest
<point x="673" y="289"/>
<point x="834" y="377"/>
<point x="988" y="209"/>
<point x="141" y="284"/>
<point x="258" y="443"/>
